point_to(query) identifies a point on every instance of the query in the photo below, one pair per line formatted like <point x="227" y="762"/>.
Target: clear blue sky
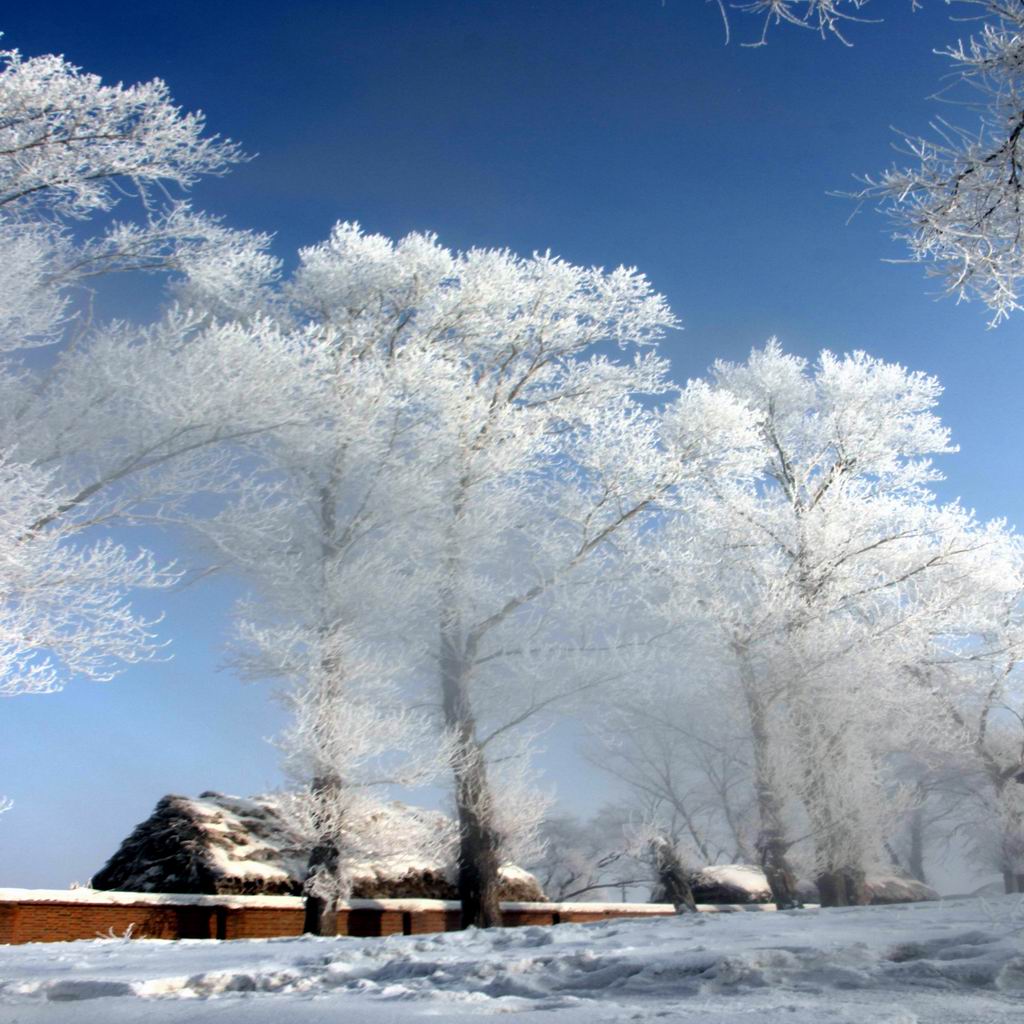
<point x="610" y="131"/>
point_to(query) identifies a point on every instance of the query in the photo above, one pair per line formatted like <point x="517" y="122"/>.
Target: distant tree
<point x="973" y="766"/>
<point x="687" y="762"/>
<point x="585" y="859"/>
<point x="817" y="579"/>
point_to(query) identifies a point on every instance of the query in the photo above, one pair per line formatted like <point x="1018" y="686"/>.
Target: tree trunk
<point x="479" y="847"/>
<point x="779" y="875"/>
<point x="841" y="879"/>
<point x="842" y="887"/>
<point x="1011" y="882"/>
<point x="673" y="882"/>
<point x="772" y="846"/>
<point x="479" y="859"/>
<point x="916" y="856"/>
<point x="322" y="887"/>
<point x="831" y="889"/>
<point x="321" y="912"/>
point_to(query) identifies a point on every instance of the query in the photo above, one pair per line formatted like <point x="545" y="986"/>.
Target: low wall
<point x="54" y="915"/>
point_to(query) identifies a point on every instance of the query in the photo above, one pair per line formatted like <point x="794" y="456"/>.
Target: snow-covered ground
<point x="957" y="961"/>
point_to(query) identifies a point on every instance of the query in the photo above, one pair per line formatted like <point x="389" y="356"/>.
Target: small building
<point x="746" y="883"/>
<point x="228" y="845"/>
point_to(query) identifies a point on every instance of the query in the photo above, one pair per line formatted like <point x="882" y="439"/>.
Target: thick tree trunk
<point x="322" y="887"/>
<point x="831" y="890"/>
<point x="321" y="912"/>
<point x="842" y="887"/>
<point x="479" y="856"/>
<point x="838" y="850"/>
<point x="479" y="860"/>
<point x="1011" y="881"/>
<point x="772" y="846"/>
<point x="775" y="865"/>
<point x="673" y="880"/>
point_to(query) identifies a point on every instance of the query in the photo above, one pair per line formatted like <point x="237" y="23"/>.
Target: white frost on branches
<point x="62" y="606"/>
<point x="114" y="424"/>
<point x="68" y="142"/>
<point x="805" y="594"/>
<point x="958" y="204"/>
<point x="826" y="17"/>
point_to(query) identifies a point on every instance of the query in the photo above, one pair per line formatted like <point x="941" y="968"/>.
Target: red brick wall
<point x="61" y="922"/>
<point x="424" y="922"/>
<point x="54" y="920"/>
<point x="262" y="922"/>
<point x="584" y="916"/>
<point x="518" y="918"/>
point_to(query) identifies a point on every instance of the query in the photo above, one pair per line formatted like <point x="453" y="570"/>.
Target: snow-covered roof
<point x="744" y="878"/>
<point x="83" y="894"/>
<point x="229" y="845"/>
<point x="746" y="883"/>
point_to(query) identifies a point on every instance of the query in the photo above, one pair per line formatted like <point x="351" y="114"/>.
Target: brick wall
<point x="33" y="915"/>
<point x="262" y="922"/>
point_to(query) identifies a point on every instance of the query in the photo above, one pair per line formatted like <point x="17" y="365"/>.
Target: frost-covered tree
<point x="957" y="204"/>
<point x="109" y="424"/>
<point x="70" y="143"/>
<point x="954" y="196"/>
<point x="62" y="608"/>
<point x="322" y="533"/>
<point x="467" y="461"/>
<point x="972" y="766"/>
<point x="588" y="859"/>
<point x="127" y="427"/>
<point x="347" y="737"/>
<point x="544" y="459"/>
<point x="72" y="151"/>
<point x="818" y="578"/>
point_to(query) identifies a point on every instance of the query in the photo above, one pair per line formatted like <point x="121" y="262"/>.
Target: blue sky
<point x="610" y="131"/>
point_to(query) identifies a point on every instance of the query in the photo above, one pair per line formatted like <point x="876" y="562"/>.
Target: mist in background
<point x="624" y="131"/>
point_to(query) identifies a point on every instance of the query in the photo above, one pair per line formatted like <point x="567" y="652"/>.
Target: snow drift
<point x="953" y="961"/>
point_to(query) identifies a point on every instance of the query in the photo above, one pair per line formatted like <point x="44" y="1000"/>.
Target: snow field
<point x="957" y="961"/>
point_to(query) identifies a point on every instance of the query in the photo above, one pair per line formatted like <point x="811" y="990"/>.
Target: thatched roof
<point x="229" y="845"/>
